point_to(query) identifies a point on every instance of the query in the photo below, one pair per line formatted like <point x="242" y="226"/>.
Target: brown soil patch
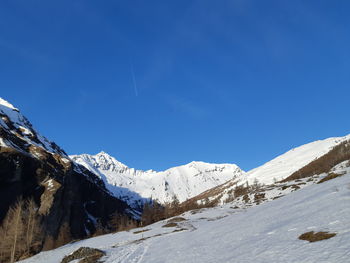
<point x="316" y="236"/>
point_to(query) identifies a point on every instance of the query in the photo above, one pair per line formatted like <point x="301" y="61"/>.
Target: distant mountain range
<point x="82" y="193"/>
<point x="188" y="181"/>
<point x="137" y="186"/>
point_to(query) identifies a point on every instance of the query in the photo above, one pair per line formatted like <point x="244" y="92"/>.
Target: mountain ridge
<point x="180" y="182"/>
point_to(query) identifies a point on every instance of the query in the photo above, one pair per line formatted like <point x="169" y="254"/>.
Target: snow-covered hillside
<point x="265" y="233"/>
<point x="275" y="170"/>
<point x="291" y="161"/>
<point x="197" y="180"/>
<point x="182" y="182"/>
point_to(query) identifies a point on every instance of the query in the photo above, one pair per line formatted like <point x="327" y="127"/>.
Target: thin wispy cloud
<point x="133" y="79"/>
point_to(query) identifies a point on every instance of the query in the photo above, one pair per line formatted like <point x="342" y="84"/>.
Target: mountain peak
<point x="184" y="181"/>
<point x="104" y="154"/>
<point x="6" y="104"/>
<point x="108" y="162"/>
<point x="19" y="133"/>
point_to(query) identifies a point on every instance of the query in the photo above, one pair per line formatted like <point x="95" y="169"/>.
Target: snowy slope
<point x="264" y="233"/>
<point x="133" y="185"/>
<point x="275" y="170"/>
<point x="291" y="161"/>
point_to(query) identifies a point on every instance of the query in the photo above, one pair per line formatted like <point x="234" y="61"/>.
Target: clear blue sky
<point x="162" y="83"/>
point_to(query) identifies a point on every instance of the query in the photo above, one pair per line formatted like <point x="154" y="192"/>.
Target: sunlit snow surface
<point x="291" y="161"/>
<point x="184" y="181"/>
<point x="264" y="233"/>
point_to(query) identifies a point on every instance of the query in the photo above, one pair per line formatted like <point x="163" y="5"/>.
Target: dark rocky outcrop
<point x="72" y="202"/>
<point x="65" y="194"/>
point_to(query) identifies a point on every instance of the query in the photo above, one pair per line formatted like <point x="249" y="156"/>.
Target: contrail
<point x="134" y="79"/>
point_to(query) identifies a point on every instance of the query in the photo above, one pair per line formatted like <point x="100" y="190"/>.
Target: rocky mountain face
<point x="137" y="186"/>
<point x="66" y="194"/>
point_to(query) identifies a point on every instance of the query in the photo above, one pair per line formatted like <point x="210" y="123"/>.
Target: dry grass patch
<point x="330" y="176"/>
<point x="316" y="236"/>
<point x="176" y="219"/>
<point x="141" y="231"/>
<point x="170" y="225"/>
<point x="86" y="254"/>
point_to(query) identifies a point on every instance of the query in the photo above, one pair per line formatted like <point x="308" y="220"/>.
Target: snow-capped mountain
<point x="270" y="232"/>
<point x="77" y="195"/>
<point x="135" y="186"/>
<point x="18" y="133"/>
<point x="198" y="180"/>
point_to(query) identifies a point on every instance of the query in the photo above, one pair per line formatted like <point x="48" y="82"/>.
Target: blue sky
<point x="161" y="83"/>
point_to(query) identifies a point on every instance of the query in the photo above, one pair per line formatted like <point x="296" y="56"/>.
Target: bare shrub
<point x="259" y="197"/>
<point x="64" y="235"/>
<point x="241" y="190"/>
<point x="121" y="222"/>
<point x="153" y="212"/>
<point x="21" y="232"/>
